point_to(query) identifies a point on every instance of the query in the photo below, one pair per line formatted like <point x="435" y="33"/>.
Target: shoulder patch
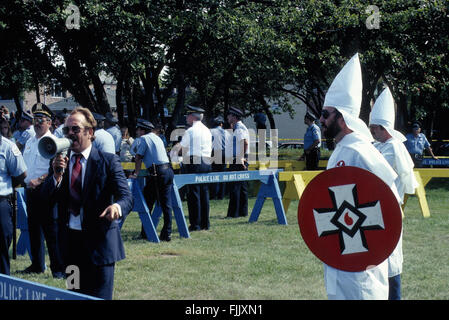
<point x="15" y="150"/>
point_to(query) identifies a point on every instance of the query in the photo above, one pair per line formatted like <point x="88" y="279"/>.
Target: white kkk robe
<point x="354" y="150"/>
<point x="399" y="159"/>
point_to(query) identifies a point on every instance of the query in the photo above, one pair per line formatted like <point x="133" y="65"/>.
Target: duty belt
<point x="163" y="166"/>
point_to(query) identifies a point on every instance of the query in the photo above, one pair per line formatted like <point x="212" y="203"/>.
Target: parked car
<point x="291" y="145"/>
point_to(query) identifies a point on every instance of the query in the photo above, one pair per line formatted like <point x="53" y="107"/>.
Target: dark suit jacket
<point x="104" y="184"/>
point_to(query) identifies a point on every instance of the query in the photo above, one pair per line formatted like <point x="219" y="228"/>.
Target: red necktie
<point x="75" y="186"/>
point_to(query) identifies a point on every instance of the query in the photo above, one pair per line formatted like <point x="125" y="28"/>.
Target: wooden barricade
<point x="296" y="181"/>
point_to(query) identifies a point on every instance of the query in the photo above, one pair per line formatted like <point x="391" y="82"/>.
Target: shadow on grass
<point x="438" y="183"/>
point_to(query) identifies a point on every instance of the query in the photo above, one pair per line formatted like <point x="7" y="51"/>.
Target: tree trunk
<point x="266" y="108"/>
<point x="36" y="88"/>
<point x="100" y="94"/>
<point x="18" y="105"/>
<point x="130" y="101"/>
<point x="179" y="106"/>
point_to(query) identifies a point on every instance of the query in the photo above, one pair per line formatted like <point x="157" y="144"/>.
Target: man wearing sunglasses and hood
<point x="340" y="121"/>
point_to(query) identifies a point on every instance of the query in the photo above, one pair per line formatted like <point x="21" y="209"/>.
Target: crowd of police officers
<point x="200" y="150"/>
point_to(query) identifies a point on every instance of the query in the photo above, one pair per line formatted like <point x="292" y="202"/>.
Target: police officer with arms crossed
<point x="196" y="147"/>
<point x="42" y="218"/>
<point x="238" y="152"/>
<point x="416" y="142"/>
<point x="220" y="137"/>
<point x="12" y="173"/>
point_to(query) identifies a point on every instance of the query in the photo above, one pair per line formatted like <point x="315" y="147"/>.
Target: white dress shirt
<point x="75" y="221"/>
<point x="198" y="140"/>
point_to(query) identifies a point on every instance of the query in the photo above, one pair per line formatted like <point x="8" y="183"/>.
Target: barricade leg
<point x="421" y="194"/>
<point x="23" y="244"/>
<point x="141" y="207"/>
<point x="179" y="213"/>
<point x="269" y="190"/>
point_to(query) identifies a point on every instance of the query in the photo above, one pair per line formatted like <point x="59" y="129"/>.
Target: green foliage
<point x="244" y="53"/>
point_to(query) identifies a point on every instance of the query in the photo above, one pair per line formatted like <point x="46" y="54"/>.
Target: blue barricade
<point x="149" y="222"/>
<point x="23" y="243"/>
<point x="268" y="189"/>
<point x="12" y="288"/>
<point x="434" y="162"/>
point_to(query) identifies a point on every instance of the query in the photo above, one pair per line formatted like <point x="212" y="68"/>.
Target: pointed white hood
<point x="345" y="94"/>
<point x="383" y="114"/>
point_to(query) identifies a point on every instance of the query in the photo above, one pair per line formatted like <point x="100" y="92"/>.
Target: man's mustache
<point x="73" y="138"/>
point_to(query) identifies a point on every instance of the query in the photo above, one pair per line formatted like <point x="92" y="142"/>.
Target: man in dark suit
<point x="92" y="194"/>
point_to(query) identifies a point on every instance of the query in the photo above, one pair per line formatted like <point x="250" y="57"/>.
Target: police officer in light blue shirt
<point x="103" y="139"/>
<point x="151" y="151"/>
<point x="219" y="138"/>
<point x="59" y="123"/>
<point x="26" y="129"/>
<point x="111" y="126"/>
<point x="312" y="142"/>
<point x="12" y="173"/>
<point x="416" y="143"/>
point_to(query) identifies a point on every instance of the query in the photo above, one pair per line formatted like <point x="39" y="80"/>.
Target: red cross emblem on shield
<point x="349" y="218"/>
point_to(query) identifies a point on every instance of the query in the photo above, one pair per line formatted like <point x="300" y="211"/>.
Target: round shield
<point x="349" y="218"/>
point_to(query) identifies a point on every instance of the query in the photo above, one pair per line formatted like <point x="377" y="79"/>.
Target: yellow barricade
<point x="423" y="176"/>
<point x="296" y="182"/>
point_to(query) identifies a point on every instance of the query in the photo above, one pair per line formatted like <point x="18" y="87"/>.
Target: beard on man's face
<point x="331" y="131"/>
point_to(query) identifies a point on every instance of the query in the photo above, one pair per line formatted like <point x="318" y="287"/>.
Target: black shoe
<point x="165" y="238"/>
<point x="59" y="275"/>
<point x="192" y="228"/>
<point x="32" y="269"/>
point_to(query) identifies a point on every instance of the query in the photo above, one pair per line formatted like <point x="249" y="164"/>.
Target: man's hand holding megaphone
<point x="59" y="165"/>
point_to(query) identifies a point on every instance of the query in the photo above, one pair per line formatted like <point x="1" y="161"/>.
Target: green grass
<point x="264" y="260"/>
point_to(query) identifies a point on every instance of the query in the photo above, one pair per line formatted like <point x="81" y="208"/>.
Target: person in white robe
<point x="390" y="144"/>
<point x="340" y="120"/>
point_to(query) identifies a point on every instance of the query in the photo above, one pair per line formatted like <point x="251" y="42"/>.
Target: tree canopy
<point x="247" y="53"/>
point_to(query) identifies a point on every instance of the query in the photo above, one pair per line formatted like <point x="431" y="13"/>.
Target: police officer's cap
<point x="144" y="124"/>
<point x="27" y="115"/>
<point x="98" y="117"/>
<point x="191" y="109"/>
<point x="61" y="115"/>
<point x="236" y="111"/>
<point x="416" y="125"/>
<point x="218" y="120"/>
<point x="310" y="116"/>
<point x="110" y="118"/>
<point x="41" y="110"/>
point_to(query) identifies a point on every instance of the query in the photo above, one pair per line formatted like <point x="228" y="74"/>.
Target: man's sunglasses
<point x="75" y="129"/>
